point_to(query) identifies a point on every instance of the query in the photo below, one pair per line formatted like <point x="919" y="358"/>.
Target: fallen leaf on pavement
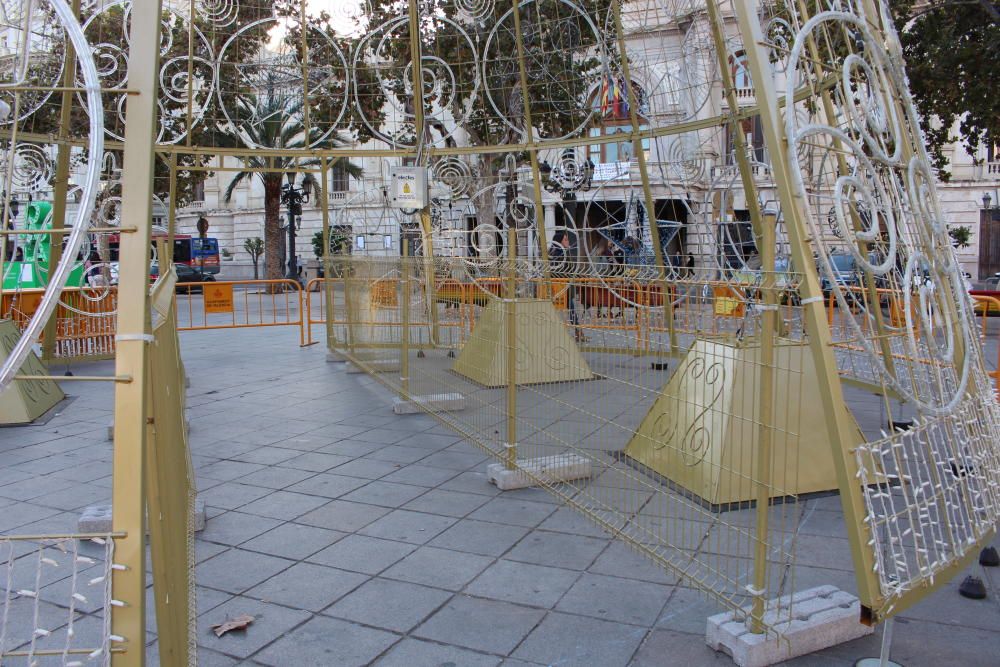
<point x="239" y="623"/>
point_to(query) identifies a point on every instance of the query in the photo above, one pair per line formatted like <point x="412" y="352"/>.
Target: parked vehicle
<point x="185" y="274"/>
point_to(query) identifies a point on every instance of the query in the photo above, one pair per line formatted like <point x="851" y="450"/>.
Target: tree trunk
<point x="273" y="234"/>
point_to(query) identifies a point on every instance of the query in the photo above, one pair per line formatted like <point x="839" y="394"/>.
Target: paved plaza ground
<point x="356" y="536"/>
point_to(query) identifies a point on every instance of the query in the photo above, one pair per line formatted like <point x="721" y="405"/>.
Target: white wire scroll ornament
<point x="173" y="101"/>
<point x="901" y="215"/>
<point x="95" y="146"/>
<point x="280" y="86"/>
<point x="448" y="100"/>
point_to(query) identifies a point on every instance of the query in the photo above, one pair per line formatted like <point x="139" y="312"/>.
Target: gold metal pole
<point x="128" y="493"/>
<point x="511" y="329"/>
<point x="651" y="219"/>
<point x="192" y="13"/>
<point x="60" y="192"/>
<point x="536" y="174"/>
<point x="171" y="217"/>
<point x="764" y="229"/>
<point x="814" y="315"/>
<point x="328" y="307"/>
<point x="420" y="130"/>
<point x="306" y="120"/>
<point x="765" y="430"/>
<point x="404" y="347"/>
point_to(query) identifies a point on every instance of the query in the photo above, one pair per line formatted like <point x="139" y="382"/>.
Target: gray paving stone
<point x="276" y="477"/>
<point x="558" y="550"/>
<point x="237" y="570"/>
<point x="267" y="455"/>
<point x="450" y="570"/>
<point x="615" y="599"/>
<point x="413" y="652"/>
<point x="343" y="516"/>
<point x="204" y="550"/>
<point x="472" y="481"/>
<point x="397" y="454"/>
<point x="293" y="540"/>
<point x="513" y="512"/>
<point x="523" y="583"/>
<point x="480" y="537"/>
<point x="572" y="641"/>
<point x="485" y="625"/>
<point x="271" y="621"/>
<point x="380" y="436"/>
<point x="362" y="554"/>
<point x="406" y="526"/>
<point x="420" y="475"/>
<point x="19" y="514"/>
<point x="569" y="520"/>
<point x="336" y="431"/>
<point x="32" y="487"/>
<point x="370" y="604"/>
<point x="236" y="527"/>
<point x="206" y="658"/>
<point x="687" y="610"/>
<point x="327" y="485"/>
<point x="232" y="495"/>
<point x="226" y="471"/>
<point x="455" y="460"/>
<point x="683" y="649"/>
<point x="284" y="505"/>
<point x="430" y="441"/>
<point x="350" y="448"/>
<point x="385" y="494"/>
<point x="367" y="468"/>
<point x="325" y="642"/>
<point x="621" y="560"/>
<point x="307" y="586"/>
<point x="447" y="503"/>
<point x="316" y="461"/>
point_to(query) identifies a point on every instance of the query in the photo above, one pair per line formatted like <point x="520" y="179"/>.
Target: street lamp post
<point x="293" y="197"/>
<point x="566" y="179"/>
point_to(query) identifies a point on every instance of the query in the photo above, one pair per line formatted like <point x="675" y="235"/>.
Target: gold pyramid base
<point x="24" y="401"/>
<point x="545" y="350"/>
<point x="702" y="432"/>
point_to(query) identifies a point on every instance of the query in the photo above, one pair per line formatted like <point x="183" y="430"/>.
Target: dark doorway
<point x="989" y="243"/>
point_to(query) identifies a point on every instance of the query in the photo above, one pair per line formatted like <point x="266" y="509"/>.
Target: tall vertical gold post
<point x="304" y="45"/>
<point x="510" y="317"/>
<point x="168" y="259"/>
<point x="765" y="229"/>
<point x="814" y="315"/>
<point x="420" y="129"/>
<point x="536" y="175"/>
<point x="652" y="221"/>
<point x="763" y="473"/>
<point x="328" y="307"/>
<point x="404" y="333"/>
<point x="128" y="493"/>
<point x="61" y="190"/>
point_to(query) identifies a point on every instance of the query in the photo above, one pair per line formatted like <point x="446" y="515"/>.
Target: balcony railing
<point x="745" y="97"/>
<point x="993" y="170"/>
<point x="759" y="171"/>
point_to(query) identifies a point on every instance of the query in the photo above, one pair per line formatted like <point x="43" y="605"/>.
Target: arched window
<point x="612" y="115"/>
<point x="739" y="67"/>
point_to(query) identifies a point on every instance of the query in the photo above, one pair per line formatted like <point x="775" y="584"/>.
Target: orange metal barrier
<point x="986" y="305"/>
<point x="236" y="304"/>
<point x="85" y="320"/>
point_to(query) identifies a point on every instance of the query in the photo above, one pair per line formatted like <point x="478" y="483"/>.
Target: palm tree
<point x="273" y="119"/>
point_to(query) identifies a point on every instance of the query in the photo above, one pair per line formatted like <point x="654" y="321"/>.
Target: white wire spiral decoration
<point x="57" y="281"/>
